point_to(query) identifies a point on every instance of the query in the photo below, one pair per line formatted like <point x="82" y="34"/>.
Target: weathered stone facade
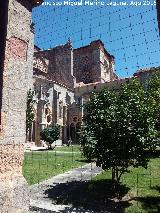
<point x="16" y="66"/>
<point x="143" y="75"/>
<point x="67" y="77"/>
<point x="58" y="62"/>
<point x="93" y="63"/>
<point x="51" y="103"/>
<point x="54" y="84"/>
<point x="17" y="73"/>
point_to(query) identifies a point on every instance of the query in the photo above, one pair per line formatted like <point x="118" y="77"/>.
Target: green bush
<point x="119" y="127"/>
<point x="50" y="134"/>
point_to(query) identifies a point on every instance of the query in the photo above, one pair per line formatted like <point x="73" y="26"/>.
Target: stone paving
<point x="42" y="203"/>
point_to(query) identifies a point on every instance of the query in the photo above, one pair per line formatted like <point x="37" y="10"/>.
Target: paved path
<point x="42" y="201"/>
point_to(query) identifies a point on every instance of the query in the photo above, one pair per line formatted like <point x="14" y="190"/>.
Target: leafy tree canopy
<point x="119" y="127"/>
<point x="154" y="96"/>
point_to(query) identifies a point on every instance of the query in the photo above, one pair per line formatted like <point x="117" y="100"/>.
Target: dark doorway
<point x="73" y="132"/>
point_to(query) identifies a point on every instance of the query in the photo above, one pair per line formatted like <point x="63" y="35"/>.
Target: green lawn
<point x="42" y="165"/>
<point x="74" y="148"/>
<point x="139" y="191"/>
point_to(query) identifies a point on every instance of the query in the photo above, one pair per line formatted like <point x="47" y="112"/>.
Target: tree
<point x="50" y="134"/>
<point x="153" y="90"/>
<point x="88" y="142"/>
<point x="122" y="126"/>
<point x="29" y="111"/>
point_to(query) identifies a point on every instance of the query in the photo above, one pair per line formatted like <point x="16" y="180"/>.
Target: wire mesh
<point x="129" y="30"/>
<point x="130" y="33"/>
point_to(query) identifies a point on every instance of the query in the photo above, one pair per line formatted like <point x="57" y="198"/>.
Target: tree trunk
<point x="113" y="174"/>
<point x="117" y="175"/>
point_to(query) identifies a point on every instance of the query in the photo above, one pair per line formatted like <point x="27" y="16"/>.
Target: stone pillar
<point x="16" y="72"/>
<point x="40" y="106"/>
<point x="54" y="106"/>
<point x="64" y="135"/>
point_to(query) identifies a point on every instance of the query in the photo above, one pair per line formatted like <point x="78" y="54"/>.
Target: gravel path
<point x="42" y="194"/>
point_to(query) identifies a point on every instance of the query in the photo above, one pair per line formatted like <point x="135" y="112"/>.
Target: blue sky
<point x="130" y="33"/>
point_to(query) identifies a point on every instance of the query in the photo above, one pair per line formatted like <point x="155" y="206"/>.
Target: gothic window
<point x="106" y="66"/>
<point x="72" y="132"/>
<point x="48" y="115"/>
<point x="47" y="111"/>
<point x="60" y="109"/>
<point x="48" y="118"/>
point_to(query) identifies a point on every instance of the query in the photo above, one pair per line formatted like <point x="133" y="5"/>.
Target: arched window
<point x="48" y="116"/>
<point x="60" y="109"/>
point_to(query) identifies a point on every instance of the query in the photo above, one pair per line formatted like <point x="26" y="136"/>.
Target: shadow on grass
<point x="96" y="195"/>
<point x="150" y="203"/>
<point x="154" y="154"/>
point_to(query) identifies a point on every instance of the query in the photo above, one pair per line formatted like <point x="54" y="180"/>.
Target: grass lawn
<point x="74" y="148"/>
<point x="139" y="191"/>
<point x="42" y="165"/>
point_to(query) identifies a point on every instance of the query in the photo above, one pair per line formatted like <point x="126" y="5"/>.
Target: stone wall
<point x="3" y="33"/>
<point x="17" y="73"/>
<point x="11" y="159"/>
<point x="13" y="188"/>
<point x="86" y="90"/>
<point x="64" y="65"/>
<point x="54" y="98"/>
<point x="60" y="64"/>
<point x="93" y="63"/>
<point x="55" y="71"/>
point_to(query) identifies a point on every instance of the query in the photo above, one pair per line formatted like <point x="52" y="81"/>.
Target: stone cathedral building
<point x="63" y="78"/>
<point x="57" y="72"/>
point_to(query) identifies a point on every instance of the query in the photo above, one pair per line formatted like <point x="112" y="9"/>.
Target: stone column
<point x="64" y="135"/>
<point x="16" y="71"/>
<point x="38" y="129"/>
